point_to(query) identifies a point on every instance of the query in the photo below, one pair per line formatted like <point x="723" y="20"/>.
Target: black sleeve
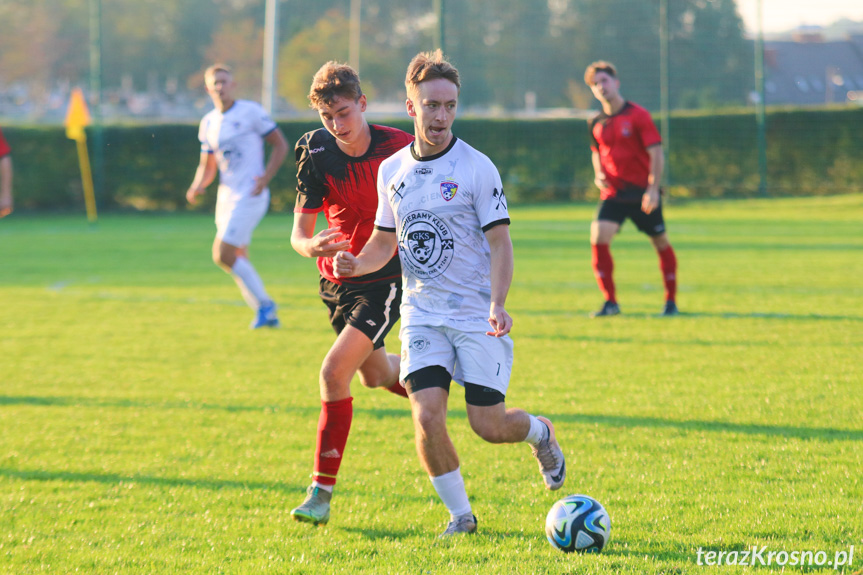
<point x="590" y="124"/>
<point x="311" y="189"/>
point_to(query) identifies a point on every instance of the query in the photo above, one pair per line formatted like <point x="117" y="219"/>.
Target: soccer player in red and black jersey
<point x="628" y="162"/>
<point x="337" y="168"/>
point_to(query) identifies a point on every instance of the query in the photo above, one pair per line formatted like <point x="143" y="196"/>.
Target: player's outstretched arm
<point x="325" y="244"/>
<point x="204" y="176"/>
<point x="502" y="265"/>
<point x="376" y="253"/>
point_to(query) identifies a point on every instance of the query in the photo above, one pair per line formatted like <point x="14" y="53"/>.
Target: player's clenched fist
<point x="345" y="264"/>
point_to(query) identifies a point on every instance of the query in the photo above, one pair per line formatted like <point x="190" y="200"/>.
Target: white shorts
<point x="473" y="357"/>
<point x="237" y="219"/>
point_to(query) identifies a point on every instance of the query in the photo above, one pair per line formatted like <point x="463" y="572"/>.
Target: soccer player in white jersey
<point x="232" y="143"/>
<point x="441" y="203"/>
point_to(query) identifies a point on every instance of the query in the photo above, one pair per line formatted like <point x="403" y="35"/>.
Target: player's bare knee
<point x="331" y="379"/>
<point x="660" y="242"/>
<point x="430" y="421"/>
<point x="223" y="260"/>
<point x="372" y="380"/>
<point x="374" y="374"/>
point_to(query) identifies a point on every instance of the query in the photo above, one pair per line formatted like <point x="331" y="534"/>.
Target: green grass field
<point x="145" y="429"/>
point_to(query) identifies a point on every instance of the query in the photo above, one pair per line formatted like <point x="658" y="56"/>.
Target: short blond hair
<point x="429" y="66"/>
<point x="334" y="80"/>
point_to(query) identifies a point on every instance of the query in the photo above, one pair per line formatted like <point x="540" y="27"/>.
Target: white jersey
<point x="236" y="137"/>
<point x="439" y="208"/>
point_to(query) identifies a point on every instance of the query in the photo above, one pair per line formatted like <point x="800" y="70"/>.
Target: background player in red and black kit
<point x="627" y="159"/>
<point x="337" y="168"/>
<point x="5" y="177"/>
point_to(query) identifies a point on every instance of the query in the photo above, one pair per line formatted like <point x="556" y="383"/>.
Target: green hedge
<point x="809" y="152"/>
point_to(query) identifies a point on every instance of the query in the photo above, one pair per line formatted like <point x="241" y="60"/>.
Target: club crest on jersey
<point x="448" y="190"/>
<point x="422" y="244"/>
<point x="426" y="245"/>
<point x="626" y="129"/>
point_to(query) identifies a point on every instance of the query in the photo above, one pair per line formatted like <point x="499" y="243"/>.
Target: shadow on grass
<point x="295" y="491"/>
<point x="380" y="534"/>
<point x="624" y="547"/>
<point x="682" y="315"/>
<point x="310" y="410"/>
<point x="783" y="316"/>
<point x="115" y="478"/>
<point x="582" y="338"/>
<point x="62" y="401"/>
<point x="818" y="433"/>
<point x="767" y="246"/>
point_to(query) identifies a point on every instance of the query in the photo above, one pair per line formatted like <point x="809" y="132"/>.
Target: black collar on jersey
<point x="434" y="157"/>
<point x="602" y="115"/>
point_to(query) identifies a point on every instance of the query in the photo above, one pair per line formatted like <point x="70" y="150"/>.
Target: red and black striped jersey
<point x="345" y="189"/>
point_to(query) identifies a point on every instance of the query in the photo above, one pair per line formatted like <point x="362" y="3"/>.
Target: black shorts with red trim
<point x="372" y="308"/>
<point x="617" y="211"/>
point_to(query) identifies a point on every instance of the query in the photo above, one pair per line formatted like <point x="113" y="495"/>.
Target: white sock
<point x="250" y="283"/>
<point x="450" y="488"/>
<point x="328" y="488"/>
<point x="250" y="300"/>
<point x="536" y="432"/>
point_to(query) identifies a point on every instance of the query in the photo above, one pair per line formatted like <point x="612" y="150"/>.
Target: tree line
<point x="505" y="49"/>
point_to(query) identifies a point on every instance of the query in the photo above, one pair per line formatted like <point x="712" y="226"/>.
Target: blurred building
<point x="808" y="69"/>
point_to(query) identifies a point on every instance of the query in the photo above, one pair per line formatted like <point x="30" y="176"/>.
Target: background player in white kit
<point x="232" y="143"/>
<point x="442" y="203"/>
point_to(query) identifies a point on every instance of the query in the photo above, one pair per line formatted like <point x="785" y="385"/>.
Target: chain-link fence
<point x="690" y="62"/>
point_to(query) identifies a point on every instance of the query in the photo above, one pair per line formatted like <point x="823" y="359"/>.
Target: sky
<point x="781" y="15"/>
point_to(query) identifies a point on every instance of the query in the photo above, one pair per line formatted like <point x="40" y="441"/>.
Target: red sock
<point x="668" y="266"/>
<point x="333" y="428"/>
<point x="398" y="389"/>
<point x="603" y="269"/>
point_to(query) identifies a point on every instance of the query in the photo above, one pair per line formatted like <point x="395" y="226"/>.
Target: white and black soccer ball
<point x="578" y="523"/>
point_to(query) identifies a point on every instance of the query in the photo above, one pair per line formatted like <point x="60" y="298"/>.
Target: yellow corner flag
<point x="78" y="118"/>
